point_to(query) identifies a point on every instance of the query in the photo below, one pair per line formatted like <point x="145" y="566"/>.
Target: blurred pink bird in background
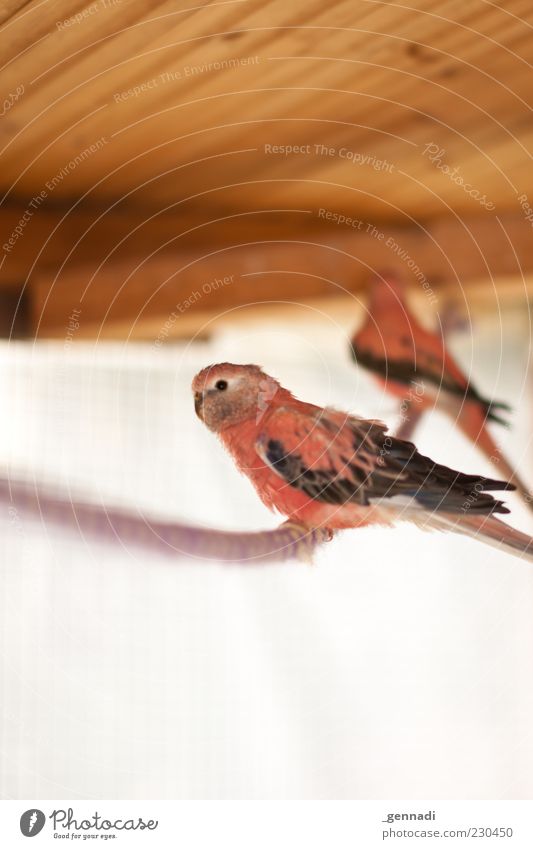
<point x="413" y="364"/>
<point x="327" y="469"/>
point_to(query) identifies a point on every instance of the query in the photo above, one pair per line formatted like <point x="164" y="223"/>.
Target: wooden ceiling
<point x="153" y="127"/>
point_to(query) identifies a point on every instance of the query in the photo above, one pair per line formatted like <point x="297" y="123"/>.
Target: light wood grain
<point x="147" y="127"/>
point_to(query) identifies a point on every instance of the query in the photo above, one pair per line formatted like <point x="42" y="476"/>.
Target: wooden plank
<point x="345" y="309"/>
<point x="8" y="8"/>
<point x="46" y="239"/>
<point x="111" y="52"/>
<point x="335" y="261"/>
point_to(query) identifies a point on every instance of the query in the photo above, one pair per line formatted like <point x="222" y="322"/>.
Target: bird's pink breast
<point x="276" y="493"/>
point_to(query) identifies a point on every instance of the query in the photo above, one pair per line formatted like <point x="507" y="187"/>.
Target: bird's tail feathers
<point x="495" y="410"/>
<point x="473" y="426"/>
<point x="486" y="529"/>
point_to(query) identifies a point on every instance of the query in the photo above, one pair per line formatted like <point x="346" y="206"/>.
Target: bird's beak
<point x="198" y="403"/>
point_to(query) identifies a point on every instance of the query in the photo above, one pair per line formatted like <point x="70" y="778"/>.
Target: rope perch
<point x="290" y="541"/>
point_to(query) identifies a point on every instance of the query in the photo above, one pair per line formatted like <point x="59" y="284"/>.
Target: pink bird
<point x="413" y="364"/>
<point x="327" y="469"/>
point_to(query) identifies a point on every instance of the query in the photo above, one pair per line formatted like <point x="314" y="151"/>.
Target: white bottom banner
<point x="246" y="824"/>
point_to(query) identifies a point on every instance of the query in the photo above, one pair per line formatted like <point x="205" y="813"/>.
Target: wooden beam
<point x="345" y="310"/>
<point x="38" y="238"/>
<point x="145" y="296"/>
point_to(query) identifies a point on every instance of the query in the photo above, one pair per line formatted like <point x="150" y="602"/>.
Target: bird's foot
<point x="307" y="539"/>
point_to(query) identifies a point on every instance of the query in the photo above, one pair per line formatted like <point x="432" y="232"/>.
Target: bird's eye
<point x="221" y="385"/>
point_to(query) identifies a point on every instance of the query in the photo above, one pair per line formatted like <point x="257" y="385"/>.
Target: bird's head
<point x="386" y="291"/>
<point x="226" y="394"/>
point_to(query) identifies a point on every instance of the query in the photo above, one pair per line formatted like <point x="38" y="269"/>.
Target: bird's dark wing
<point x="409" y="371"/>
<point x="340" y="459"/>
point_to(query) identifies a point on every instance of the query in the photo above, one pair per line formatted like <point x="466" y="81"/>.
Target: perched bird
<point x="413" y="364"/>
<point x="327" y="469"/>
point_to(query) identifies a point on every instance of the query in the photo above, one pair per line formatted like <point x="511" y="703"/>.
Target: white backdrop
<point x="399" y="665"/>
